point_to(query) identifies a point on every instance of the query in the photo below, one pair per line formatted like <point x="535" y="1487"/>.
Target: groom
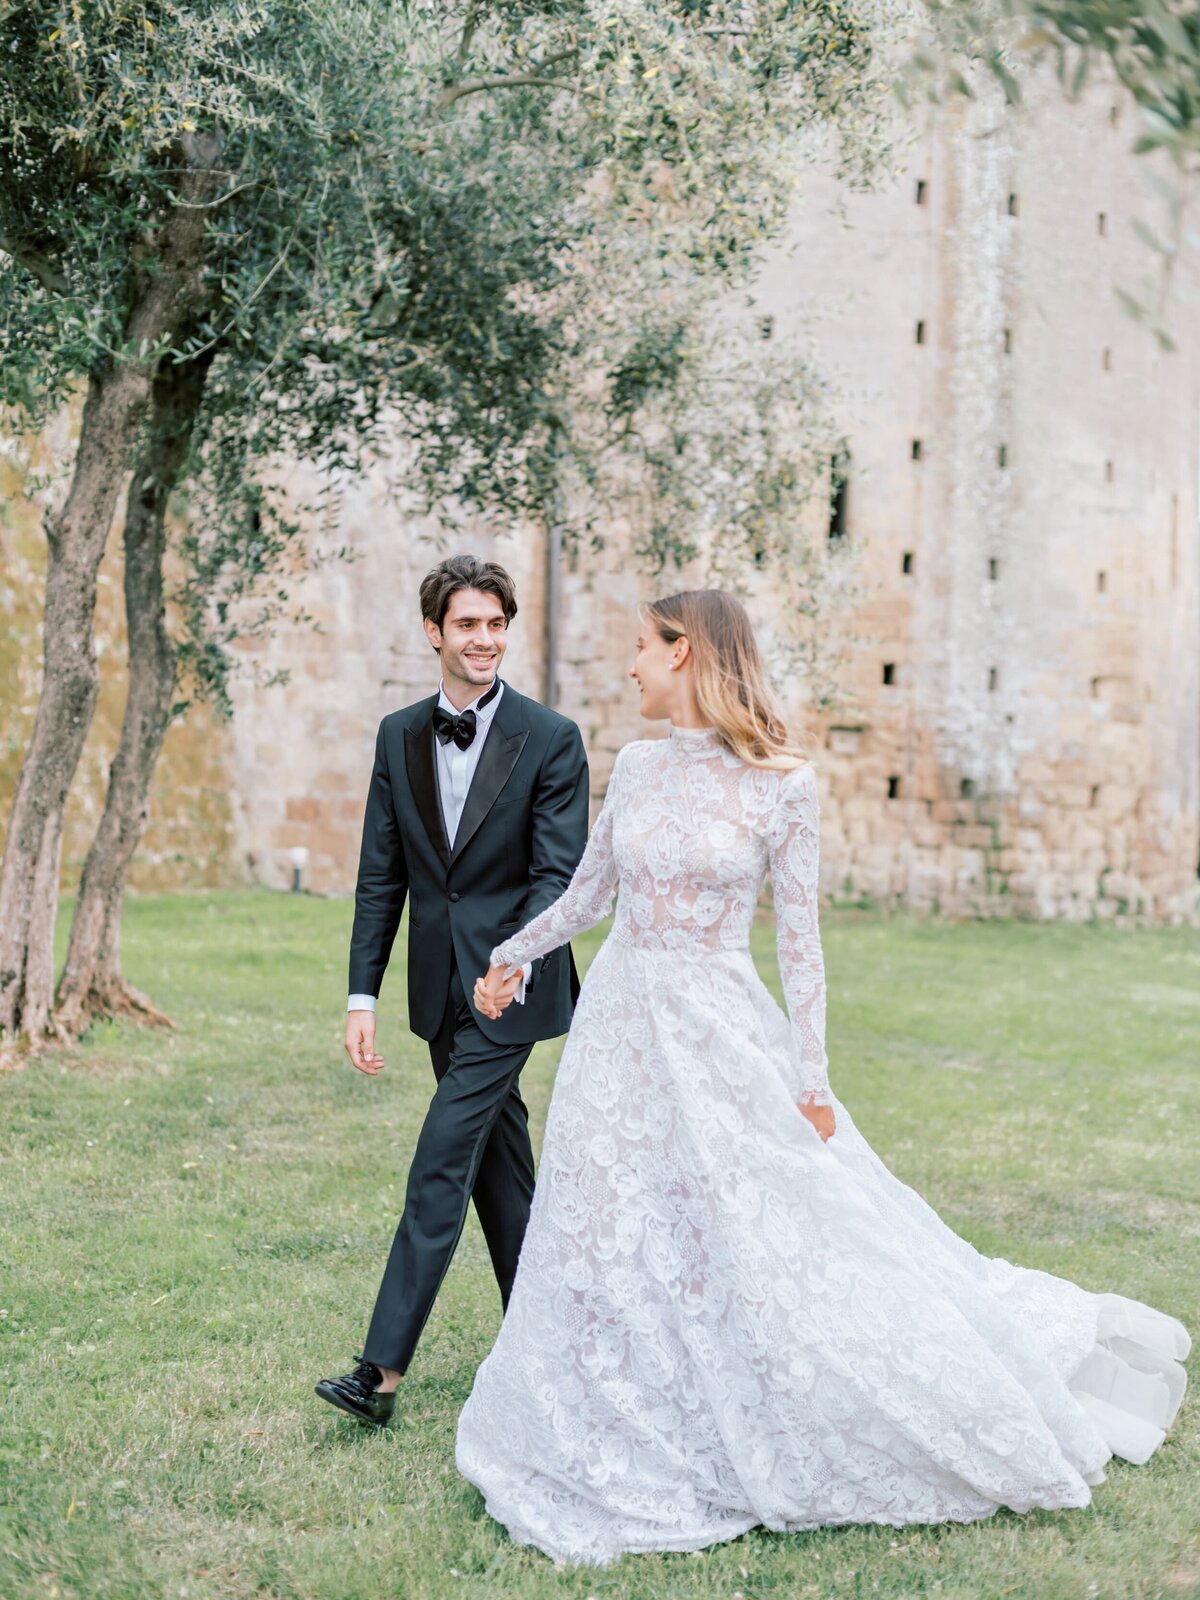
<point x="477" y="814"/>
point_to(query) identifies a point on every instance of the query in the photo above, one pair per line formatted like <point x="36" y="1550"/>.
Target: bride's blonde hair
<point x="731" y="686"/>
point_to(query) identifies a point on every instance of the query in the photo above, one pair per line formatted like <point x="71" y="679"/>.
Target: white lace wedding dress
<point x="718" y="1321"/>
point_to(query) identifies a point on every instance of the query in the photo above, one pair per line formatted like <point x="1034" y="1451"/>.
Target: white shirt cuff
<point x="526" y="974"/>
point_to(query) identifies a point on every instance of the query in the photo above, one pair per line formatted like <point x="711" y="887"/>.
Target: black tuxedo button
<point x="455" y="898"/>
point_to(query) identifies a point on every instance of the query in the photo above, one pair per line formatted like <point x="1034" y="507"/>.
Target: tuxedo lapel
<point x="422" y="777"/>
<point x="501" y="752"/>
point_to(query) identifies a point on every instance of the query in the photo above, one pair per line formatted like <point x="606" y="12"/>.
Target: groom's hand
<point x="495" y="993"/>
<point x="360" y="1041"/>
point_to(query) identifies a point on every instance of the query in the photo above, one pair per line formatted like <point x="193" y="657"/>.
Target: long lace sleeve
<point x="794" y="850"/>
<point x="585" y="900"/>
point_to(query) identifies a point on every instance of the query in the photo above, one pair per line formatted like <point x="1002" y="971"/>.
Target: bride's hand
<point x="821" y="1117"/>
<point x="494" y="993"/>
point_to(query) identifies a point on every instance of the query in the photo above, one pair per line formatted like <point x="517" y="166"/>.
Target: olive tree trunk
<point x="92" y="983"/>
<point x="113" y="415"/>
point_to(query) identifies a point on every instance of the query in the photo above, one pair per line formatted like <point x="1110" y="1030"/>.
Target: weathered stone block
<point x="1075" y="795"/>
<point x="303" y="808"/>
<point x="977" y="837"/>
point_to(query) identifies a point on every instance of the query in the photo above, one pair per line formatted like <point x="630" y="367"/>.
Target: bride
<point x="728" y="1312"/>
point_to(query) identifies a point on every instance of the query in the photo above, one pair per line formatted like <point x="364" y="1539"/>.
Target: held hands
<point x="494" y="993"/>
<point x="360" y="1042"/>
<point x="821" y="1117"/>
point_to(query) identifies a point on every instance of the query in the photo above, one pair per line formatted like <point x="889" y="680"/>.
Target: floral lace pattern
<point x="688" y="832"/>
<point x="718" y="1321"/>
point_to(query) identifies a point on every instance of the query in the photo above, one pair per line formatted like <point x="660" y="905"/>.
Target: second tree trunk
<point x="92" y="983"/>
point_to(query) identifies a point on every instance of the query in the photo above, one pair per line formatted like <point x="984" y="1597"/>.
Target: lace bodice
<point x="686" y="835"/>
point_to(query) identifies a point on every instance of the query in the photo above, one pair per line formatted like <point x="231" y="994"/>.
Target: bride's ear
<point x="680" y="652"/>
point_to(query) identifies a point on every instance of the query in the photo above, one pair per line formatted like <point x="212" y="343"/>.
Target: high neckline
<point x="694" y="741"/>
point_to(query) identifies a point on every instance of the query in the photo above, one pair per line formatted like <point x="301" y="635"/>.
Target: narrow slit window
<point x="1101" y="582"/>
<point x="993" y="568"/>
<point x="889" y="672"/>
<point x="1008" y="341"/>
<point x="839" y="495"/>
<point x="1095" y="688"/>
<point x="893" y="788"/>
<point x="1094" y="796"/>
<point x="966" y="789"/>
<point x="906" y="563"/>
<point x="1002" y="456"/>
<point x="920" y="332"/>
<point x="1102" y="224"/>
<point x="993" y="679"/>
<point x="766" y="327"/>
<point x="916" y="449"/>
<point x="922" y="191"/>
<point x="1108" y="472"/>
<point x="1013" y="207"/>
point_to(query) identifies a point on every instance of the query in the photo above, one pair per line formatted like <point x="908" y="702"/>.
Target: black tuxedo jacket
<point x="522" y="833"/>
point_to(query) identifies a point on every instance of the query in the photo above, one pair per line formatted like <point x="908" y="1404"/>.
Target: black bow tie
<point x="460" y="726"/>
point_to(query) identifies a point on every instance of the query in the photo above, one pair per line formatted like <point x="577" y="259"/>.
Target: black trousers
<point x="474" y="1144"/>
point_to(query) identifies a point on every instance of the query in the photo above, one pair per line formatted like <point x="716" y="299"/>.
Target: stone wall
<point x="1025" y="733"/>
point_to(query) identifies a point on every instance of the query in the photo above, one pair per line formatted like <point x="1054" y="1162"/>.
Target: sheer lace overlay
<point x="718" y="1321"/>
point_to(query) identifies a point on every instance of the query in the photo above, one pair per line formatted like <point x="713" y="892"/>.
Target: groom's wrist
<point x="361" y="1002"/>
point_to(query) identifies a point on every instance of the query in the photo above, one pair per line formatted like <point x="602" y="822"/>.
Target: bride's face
<point x="653" y="673"/>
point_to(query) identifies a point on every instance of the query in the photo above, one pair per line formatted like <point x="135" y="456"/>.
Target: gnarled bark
<point x="92" y="983"/>
<point x="113" y="414"/>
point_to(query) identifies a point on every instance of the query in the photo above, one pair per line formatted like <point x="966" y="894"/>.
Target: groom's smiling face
<point x="472" y="638"/>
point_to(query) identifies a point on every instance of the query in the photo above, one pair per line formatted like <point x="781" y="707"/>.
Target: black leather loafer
<point x="358" y="1393"/>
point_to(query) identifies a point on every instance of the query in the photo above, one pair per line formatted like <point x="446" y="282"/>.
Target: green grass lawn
<point x="195" y="1224"/>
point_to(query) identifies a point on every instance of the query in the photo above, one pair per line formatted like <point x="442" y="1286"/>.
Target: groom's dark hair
<point x="465" y="572"/>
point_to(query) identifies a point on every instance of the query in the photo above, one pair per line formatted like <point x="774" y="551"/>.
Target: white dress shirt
<point x="455" y="772"/>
